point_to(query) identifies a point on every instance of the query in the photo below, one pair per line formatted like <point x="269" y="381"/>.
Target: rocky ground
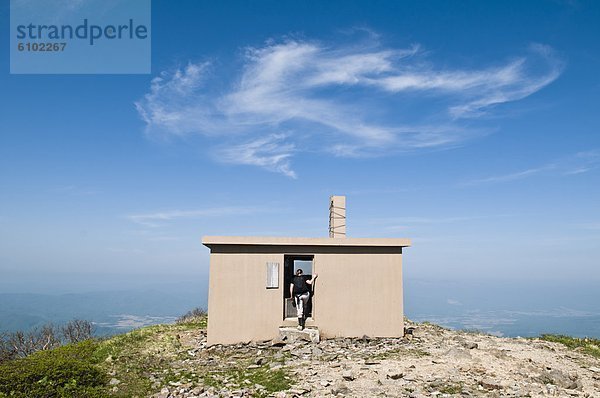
<point x="430" y="362"/>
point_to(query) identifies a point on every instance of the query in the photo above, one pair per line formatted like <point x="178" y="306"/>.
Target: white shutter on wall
<point x="272" y="275"/>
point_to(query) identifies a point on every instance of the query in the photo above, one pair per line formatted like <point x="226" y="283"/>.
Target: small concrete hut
<point x="358" y="292"/>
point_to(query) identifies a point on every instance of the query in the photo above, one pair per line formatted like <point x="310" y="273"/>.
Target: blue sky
<point x="471" y="127"/>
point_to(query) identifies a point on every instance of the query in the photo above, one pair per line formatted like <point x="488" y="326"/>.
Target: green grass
<point x="66" y="371"/>
<point x="143" y="360"/>
<point x="136" y="355"/>
<point x="587" y="345"/>
<point x="452" y="389"/>
<point x="83" y="370"/>
<point x="241" y="377"/>
<point x="398" y="353"/>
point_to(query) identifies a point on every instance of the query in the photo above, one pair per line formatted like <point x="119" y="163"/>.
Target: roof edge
<point x="298" y="241"/>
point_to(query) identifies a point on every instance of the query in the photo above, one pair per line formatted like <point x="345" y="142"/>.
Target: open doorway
<point x="290" y="265"/>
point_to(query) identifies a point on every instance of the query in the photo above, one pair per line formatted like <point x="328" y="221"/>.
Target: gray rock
<point x="558" y="378"/>
<point x="341" y="389"/>
<point x="457" y="354"/>
<point x="114" y="382"/>
<point x="490" y="384"/>
<point x="418" y="332"/>
<point x="348" y="375"/>
<point x="278" y="342"/>
<point x="297" y="391"/>
<point x="394" y="375"/>
<point x="436" y="383"/>
<point x="293" y="335"/>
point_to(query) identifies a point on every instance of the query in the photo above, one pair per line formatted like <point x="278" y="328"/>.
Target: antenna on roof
<point x="337" y="216"/>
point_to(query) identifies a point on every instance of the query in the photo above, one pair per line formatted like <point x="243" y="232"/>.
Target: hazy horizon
<point x="504" y="308"/>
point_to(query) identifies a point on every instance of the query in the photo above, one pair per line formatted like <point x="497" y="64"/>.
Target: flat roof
<point x="292" y="241"/>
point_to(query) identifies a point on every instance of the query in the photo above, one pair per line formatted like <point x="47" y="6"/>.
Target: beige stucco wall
<point x="358" y="292"/>
<point x="241" y="308"/>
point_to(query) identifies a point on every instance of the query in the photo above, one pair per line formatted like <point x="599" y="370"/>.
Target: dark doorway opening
<point x="290" y="265"/>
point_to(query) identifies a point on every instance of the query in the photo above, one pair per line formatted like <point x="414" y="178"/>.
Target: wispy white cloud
<point x="404" y="223"/>
<point x="431" y="220"/>
<point x="512" y="176"/>
<point x="348" y="100"/>
<point x="269" y="152"/>
<point x="176" y="105"/>
<point x="155" y="219"/>
<point x="578" y="163"/>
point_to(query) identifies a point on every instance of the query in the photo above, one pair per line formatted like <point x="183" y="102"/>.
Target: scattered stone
<point x="371" y="362"/>
<point x="278" y="342"/>
<point x="558" y="378"/>
<point x="594" y="369"/>
<point x="299" y="391"/>
<point x="114" y="382"/>
<point x="394" y="375"/>
<point x="341" y="389"/>
<point x="458" y="354"/>
<point x="490" y="384"/>
<point x="418" y="332"/>
<point x="439" y="363"/>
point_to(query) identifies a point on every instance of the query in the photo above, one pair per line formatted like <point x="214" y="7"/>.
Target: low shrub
<point x="197" y="315"/>
<point x="586" y="344"/>
<point x="66" y="371"/>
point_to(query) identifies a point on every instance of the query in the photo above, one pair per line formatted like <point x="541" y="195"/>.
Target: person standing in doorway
<point x="300" y="292"/>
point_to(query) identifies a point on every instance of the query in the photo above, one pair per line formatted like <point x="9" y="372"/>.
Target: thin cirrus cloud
<point x="395" y="224"/>
<point x="578" y="163"/>
<point x="158" y="218"/>
<point x="270" y="152"/>
<point x="348" y="100"/>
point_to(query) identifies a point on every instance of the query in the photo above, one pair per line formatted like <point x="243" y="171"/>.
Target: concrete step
<point x="291" y="335"/>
